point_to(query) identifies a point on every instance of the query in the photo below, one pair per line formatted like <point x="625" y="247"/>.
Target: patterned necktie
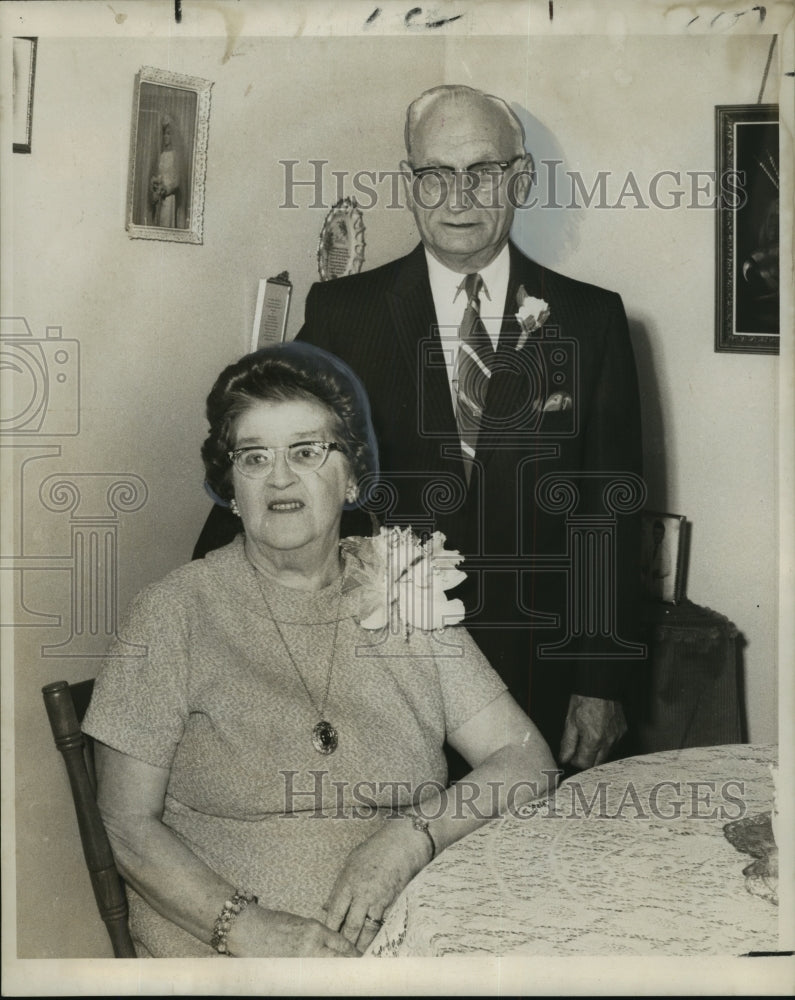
<point x="475" y="356"/>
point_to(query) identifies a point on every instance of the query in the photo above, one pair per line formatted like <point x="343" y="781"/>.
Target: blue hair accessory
<point x="214" y="496"/>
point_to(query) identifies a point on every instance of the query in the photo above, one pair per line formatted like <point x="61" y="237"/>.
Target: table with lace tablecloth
<point x="667" y="854"/>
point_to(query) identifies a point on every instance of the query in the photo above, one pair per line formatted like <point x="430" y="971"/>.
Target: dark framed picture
<point x="24" y="75"/>
<point x="747" y="236"/>
<point x="168" y="156"/>
<point x="662" y="561"/>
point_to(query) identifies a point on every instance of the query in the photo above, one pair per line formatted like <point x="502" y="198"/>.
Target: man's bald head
<point x="456" y="98"/>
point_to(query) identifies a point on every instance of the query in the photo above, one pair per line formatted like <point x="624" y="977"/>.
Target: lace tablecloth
<point x="630" y="858"/>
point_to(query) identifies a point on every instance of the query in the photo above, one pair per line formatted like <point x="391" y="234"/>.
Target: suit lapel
<point x="413" y="315"/>
<point x="507" y="393"/>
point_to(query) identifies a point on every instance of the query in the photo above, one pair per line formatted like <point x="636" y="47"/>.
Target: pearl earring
<point x="233" y="507"/>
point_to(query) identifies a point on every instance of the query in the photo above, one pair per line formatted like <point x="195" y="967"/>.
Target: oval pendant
<point x="324" y="737"/>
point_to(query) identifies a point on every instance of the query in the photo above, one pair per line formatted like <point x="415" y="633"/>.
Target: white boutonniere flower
<point x="403" y="582"/>
<point x="532" y="315"/>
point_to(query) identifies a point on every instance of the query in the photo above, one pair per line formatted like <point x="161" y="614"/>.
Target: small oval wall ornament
<point x="341" y="247"/>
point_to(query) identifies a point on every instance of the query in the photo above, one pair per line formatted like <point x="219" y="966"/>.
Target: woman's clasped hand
<point x="286" y="935"/>
<point x="374" y="874"/>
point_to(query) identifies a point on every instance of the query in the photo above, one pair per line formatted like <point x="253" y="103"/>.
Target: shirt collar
<point x="450" y="283"/>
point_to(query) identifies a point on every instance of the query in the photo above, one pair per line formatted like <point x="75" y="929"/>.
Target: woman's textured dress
<point x="199" y="681"/>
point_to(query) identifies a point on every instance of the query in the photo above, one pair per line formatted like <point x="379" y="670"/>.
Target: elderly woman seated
<point x="271" y="721"/>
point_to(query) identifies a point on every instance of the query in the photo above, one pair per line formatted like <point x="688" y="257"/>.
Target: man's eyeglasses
<point x="486" y="176"/>
<point x="257" y="462"/>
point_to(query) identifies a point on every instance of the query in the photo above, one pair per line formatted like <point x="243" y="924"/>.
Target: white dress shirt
<point x="450" y="301"/>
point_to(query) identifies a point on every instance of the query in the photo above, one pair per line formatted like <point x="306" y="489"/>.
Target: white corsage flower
<point x="403" y="582"/>
<point x="532" y="315"/>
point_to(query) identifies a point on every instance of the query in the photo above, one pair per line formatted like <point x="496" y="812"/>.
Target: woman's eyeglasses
<point x="257" y="462"/>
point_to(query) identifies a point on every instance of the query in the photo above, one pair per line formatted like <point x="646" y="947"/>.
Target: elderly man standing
<point x="506" y="407"/>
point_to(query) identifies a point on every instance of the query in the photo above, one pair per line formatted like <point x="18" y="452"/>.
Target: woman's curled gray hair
<point x="282" y="372"/>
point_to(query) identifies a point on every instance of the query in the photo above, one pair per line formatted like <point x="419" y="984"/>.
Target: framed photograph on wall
<point x="747" y="264"/>
<point x="662" y="561"/>
<point x="24" y="75"/>
<point x="168" y="156"/>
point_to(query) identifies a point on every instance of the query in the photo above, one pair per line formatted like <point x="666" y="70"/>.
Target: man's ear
<point x="522" y="180"/>
<point x="408" y="181"/>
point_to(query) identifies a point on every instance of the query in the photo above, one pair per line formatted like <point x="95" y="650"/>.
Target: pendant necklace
<point x="325" y="738"/>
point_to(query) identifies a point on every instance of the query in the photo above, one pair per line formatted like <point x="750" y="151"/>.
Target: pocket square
<point x="557" y="401"/>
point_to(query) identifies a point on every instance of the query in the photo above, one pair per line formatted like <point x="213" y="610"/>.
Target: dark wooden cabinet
<point x="694" y="696"/>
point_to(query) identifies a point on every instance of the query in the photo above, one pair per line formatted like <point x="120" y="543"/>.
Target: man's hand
<point x="592" y="726"/>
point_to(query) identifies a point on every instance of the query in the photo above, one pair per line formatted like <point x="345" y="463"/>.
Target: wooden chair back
<point x="66" y="705"/>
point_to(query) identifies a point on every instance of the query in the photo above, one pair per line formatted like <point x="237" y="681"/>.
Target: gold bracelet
<point x="421" y="824"/>
<point x="231" y="908"/>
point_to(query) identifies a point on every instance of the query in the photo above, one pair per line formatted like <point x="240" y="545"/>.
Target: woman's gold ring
<point x="373" y="921"/>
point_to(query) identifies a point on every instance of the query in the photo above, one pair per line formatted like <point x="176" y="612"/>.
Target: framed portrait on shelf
<point x="747" y="229"/>
<point x="24" y="75"/>
<point x="662" y="562"/>
<point x="168" y="156"/>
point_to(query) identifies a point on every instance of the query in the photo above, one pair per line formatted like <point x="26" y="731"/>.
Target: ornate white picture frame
<point x="168" y="156"/>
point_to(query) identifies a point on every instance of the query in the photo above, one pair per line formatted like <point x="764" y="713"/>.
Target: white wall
<point x="157" y="321"/>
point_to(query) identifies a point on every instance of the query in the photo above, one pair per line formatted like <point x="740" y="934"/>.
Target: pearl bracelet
<point x="232" y="907"/>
